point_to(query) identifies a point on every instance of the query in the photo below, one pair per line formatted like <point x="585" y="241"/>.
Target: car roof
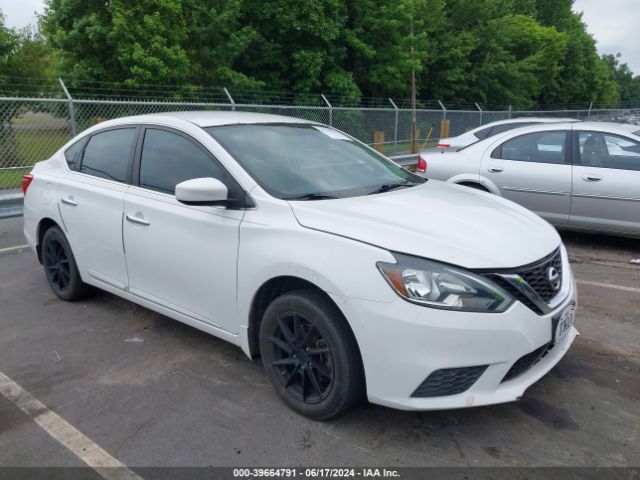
<point x="211" y="118"/>
<point x="530" y="119"/>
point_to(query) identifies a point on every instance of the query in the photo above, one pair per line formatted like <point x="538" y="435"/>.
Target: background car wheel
<point x="60" y="266"/>
<point x="475" y="186"/>
<point x="311" y="355"/>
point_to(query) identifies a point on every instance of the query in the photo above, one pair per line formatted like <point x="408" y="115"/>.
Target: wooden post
<point x="444" y="128"/>
<point x="378" y="141"/>
<point x="416" y="141"/>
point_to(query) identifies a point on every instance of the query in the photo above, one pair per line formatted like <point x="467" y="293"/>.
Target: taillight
<point x="443" y="145"/>
<point x="26" y="181"/>
<point x="421" y="166"/>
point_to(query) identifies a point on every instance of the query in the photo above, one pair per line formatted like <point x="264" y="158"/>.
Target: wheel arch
<point x="269" y="291"/>
<point x="43" y="225"/>
<point x="466" y="179"/>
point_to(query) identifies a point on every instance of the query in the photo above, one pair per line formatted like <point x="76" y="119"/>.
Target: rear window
<point x="637" y="133"/>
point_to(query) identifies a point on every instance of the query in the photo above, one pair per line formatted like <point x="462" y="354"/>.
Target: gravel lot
<point x="183" y="398"/>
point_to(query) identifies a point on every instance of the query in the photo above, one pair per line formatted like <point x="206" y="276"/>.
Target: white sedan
<point x="494" y="128"/>
<point x="580" y="176"/>
<point x="302" y="245"/>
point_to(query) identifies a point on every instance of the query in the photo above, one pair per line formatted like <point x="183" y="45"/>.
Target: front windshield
<point x="310" y="162"/>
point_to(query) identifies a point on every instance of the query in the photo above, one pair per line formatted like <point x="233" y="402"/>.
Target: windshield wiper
<point x="390" y="186"/>
<point x="311" y="196"/>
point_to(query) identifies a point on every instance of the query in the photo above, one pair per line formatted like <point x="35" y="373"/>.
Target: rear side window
<point x="169" y="158"/>
<point x="107" y="154"/>
<point x="72" y="154"/>
<point x="540" y="147"/>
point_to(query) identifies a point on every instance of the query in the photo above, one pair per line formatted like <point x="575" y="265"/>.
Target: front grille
<point x="537" y="277"/>
<point x="527" y="361"/>
<point x="449" y="381"/>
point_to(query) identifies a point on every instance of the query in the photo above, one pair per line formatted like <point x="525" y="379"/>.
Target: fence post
<point x="72" y="114"/>
<point x="478" y="107"/>
<point x="590" y="107"/>
<point x="231" y="101"/>
<point x="395" y="130"/>
<point x="444" y="110"/>
<point x="330" y="109"/>
<point x="509" y="111"/>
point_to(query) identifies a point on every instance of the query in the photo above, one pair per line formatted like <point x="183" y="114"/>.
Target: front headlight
<point x="439" y="285"/>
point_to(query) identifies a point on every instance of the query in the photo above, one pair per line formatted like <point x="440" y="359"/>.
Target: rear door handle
<point x="591" y="177"/>
<point x="495" y="169"/>
<point x="69" y="201"/>
<point x="138" y="220"/>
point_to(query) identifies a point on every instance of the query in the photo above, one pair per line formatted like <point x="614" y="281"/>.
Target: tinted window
<point x="608" y="151"/>
<point x="107" y="154"/>
<point x="542" y="147"/>
<point x="72" y="154"/>
<point x="505" y="127"/>
<point x="482" y="134"/>
<point x="168" y="159"/>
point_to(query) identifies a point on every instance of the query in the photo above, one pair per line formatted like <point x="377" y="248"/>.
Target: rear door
<point x="606" y="182"/>
<point x="91" y="204"/>
<point x="534" y="170"/>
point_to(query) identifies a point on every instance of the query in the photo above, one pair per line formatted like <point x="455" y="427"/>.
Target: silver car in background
<point x="494" y="128"/>
<point x="579" y="176"/>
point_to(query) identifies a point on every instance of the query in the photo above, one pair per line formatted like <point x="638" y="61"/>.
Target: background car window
<point x="605" y="150"/>
<point x="72" y="154"/>
<point x="505" y="127"/>
<point x="542" y="147"/>
<point x="108" y="153"/>
<point x="482" y="134"/>
<point x="168" y="159"/>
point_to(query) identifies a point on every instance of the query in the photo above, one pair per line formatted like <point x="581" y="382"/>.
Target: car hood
<point x="440" y="221"/>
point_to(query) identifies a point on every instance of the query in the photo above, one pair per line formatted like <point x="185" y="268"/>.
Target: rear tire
<point x="60" y="266"/>
<point x="310" y="355"/>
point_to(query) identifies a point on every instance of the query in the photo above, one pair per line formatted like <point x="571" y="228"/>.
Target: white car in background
<point x="302" y="245"/>
<point x="580" y="176"/>
<point x="494" y="128"/>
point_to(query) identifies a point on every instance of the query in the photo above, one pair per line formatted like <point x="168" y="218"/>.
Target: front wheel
<point x="60" y="266"/>
<point x="310" y="355"/>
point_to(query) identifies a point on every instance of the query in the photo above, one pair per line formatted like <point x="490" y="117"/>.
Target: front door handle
<point x="138" y="220"/>
<point x="69" y="201"/>
<point x="591" y="177"/>
<point x="495" y="169"/>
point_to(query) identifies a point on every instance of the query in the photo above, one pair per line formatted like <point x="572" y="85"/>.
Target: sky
<point x="613" y="23"/>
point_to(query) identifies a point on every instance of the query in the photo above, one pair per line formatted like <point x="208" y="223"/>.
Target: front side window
<point x="599" y="149"/>
<point x="169" y="158"/>
<point x="540" y="147"/>
<point x="303" y="161"/>
<point x="107" y="154"/>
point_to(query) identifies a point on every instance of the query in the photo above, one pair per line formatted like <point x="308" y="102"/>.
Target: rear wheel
<point x="310" y="355"/>
<point x="60" y="266"/>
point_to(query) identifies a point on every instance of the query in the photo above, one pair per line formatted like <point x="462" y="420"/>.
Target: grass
<point x="12" y="178"/>
<point x="31" y="147"/>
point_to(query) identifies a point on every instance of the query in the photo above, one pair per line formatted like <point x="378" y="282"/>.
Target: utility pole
<point x="413" y="90"/>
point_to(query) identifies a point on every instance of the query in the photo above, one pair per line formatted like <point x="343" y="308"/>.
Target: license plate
<point x="565" y="322"/>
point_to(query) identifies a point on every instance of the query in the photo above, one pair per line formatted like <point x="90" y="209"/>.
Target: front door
<point x="178" y="256"/>
<point x="606" y="183"/>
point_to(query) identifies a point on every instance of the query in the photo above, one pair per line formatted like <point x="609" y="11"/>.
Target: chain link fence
<point x="32" y="129"/>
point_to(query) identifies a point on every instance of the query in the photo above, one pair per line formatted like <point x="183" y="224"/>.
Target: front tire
<point x="60" y="266"/>
<point x="310" y="355"/>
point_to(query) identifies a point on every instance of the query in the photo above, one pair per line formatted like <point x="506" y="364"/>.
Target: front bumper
<point x="402" y="344"/>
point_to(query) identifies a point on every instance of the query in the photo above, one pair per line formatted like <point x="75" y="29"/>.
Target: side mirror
<point x="202" y="191"/>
